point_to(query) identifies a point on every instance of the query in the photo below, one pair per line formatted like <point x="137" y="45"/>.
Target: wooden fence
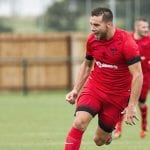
<point x="40" y="61"/>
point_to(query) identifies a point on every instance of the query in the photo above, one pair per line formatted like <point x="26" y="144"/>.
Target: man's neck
<point x="111" y="33"/>
<point x="137" y="36"/>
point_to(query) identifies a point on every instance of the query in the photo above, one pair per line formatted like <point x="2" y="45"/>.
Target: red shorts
<point x="145" y="88"/>
<point x="108" y="114"/>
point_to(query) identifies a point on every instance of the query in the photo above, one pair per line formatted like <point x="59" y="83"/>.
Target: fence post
<point x="69" y="62"/>
<point x="24" y="73"/>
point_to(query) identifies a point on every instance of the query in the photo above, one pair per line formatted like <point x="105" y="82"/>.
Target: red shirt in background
<point x="144" y="47"/>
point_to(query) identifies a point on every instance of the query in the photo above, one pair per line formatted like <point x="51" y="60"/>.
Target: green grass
<point x="40" y="121"/>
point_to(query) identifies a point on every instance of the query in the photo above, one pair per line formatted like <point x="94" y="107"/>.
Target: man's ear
<point x="109" y="24"/>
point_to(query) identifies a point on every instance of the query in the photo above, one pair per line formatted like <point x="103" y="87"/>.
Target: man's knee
<point x="103" y="139"/>
<point x="99" y="141"/>
<point x="82" y="120"/>
<point x="80" y="124"/>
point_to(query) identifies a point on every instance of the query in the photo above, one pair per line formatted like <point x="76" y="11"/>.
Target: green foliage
<point x="60" y="17"/>
<point x="65" y="15"/>
<point x="4" y="27"/>
<point x="19" y="24"/>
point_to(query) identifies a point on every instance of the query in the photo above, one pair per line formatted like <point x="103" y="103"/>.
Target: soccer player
<point x="140" y="35"/>
<point x="105" y="89"/>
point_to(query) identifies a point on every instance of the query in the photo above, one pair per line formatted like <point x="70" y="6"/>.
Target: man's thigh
<point x="109" y="116"/>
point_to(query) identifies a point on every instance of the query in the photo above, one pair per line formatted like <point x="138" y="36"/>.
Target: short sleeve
<point x="89" y="55"/>
<point x="131" y="51"/>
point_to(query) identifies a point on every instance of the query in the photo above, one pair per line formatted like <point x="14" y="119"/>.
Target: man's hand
<point x="72" y="96"/>
<point x="130" y="115"/>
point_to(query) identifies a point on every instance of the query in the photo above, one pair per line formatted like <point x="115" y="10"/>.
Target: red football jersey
<point x="144" y="47"/>
<point x="112" y="58"/>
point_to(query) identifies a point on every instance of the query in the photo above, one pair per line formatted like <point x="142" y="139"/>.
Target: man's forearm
<point x="136" y="88"/>
<point x="81" y="79"/>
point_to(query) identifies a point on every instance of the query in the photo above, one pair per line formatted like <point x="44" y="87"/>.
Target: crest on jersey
<point x="113" y="50"/>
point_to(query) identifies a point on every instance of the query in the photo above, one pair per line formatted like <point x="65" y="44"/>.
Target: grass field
<point x="40" y="121"/>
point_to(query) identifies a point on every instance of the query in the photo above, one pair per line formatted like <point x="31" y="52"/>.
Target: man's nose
<point x="92" y="28"/>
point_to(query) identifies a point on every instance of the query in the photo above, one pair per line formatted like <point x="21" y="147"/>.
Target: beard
<point x="100" y="35"/>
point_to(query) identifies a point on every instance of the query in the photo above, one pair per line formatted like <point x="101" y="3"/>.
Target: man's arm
<point x="136" y="85"/>
<point x="137" y="81"/>
<point x="83" y="74"/>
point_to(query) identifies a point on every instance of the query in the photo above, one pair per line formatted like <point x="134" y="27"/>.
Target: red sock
<point x="73" y="140"/>
<point x="144" y="111"/>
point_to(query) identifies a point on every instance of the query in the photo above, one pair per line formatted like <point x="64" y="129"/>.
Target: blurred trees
<point x="4" y="28"/>
<point x="61" y="17"/>
<point x="68" y="15"/>
<point x="72" y="15"/>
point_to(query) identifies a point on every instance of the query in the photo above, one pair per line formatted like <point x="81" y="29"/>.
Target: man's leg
<point x="102" y="137"/>
<point x="143" y="106"/>
<point x="143" y="109"/>
<point x="144" y="112"/>
<point x="80" y="124"/>
<point x="118" y="128"/>
<point x="108" y="118"/>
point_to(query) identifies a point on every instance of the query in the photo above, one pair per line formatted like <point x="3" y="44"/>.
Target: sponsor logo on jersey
<point x="103" y="65"/>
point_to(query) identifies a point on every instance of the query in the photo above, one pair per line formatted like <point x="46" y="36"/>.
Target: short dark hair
<point x="141" y="19"/>
<point x="105" y="12"/>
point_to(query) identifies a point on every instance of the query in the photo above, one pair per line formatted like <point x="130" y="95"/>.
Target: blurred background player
<point x="140" y="35"/>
